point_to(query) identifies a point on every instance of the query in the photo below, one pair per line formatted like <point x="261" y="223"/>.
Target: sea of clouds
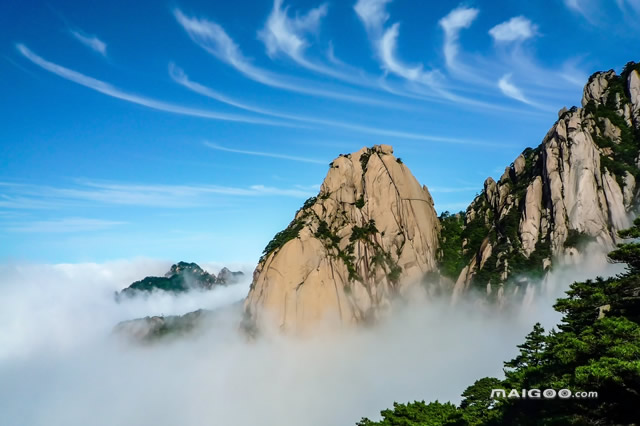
<point x="60" y="363"/>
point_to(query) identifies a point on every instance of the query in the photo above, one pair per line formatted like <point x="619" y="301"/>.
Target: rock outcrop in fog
<point x="579" y="185"/>
<point x="371" y="231"/>
<point x="183" y="277"/>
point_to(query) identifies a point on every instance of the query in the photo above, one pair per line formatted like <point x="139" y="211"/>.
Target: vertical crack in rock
<point x="372" y="231"/>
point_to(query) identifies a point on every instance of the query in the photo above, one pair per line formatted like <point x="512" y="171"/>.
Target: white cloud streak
<point x="136" y="194"/>
<point x="264" y="154"/>
<point x="65" y="225"/>
<point x="91" y="41"/>
<point x="457" y="20"/>
<point x="575" y="5"/>
<point x="28" y="196"/>
<point x="211" y="37"/>
<point x="517" y="28"/>
<point x="282" y="34"/>
<point x="181" y="78"/>
<point x="510" y="90"/>
<point x="109" y="90"/>
<point x="585" y="8"/>
<point x="391" y="63"/>
<point x="373" y="15"/>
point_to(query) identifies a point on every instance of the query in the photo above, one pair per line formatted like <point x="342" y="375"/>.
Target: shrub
<point x="364" y="159"/>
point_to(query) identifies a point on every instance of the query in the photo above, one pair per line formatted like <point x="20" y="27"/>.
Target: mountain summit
<point x="371" y="231"/>
<point x="182" y="277"/>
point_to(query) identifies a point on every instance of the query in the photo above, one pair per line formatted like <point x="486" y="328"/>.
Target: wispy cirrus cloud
<point x="168" y="195"/>
<point x="433" y="84"/>
<point x="510" y="90"/>
<point x="87" y="192"/>
<point x="598" y="13"/>
<point x="90" y="41"/>
<point x="109" y="90"/>
<point x="286" y="35"/>
<point x="181" y="78"/>
<point x="575" y="5"/>
<point x="516" y="29"/>
<point x="263" y="154"/>
<point x="211" y="37"/>
<point x="454" y="22"/>
<point x="387" y="45"/>
<point x="585" y="8"/>
<point x="214" y="39"/>
<point x="65" y="225"/>
<point x="373" y="15"/>
<point x="510" y="56"/>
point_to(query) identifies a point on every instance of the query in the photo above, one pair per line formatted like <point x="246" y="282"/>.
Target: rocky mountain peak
<point x="597" y="88"/>
<point x="372" y="229"/>
<point x="181" y="277"/>
<point x="370" y="232"/>
<point x="578" y="185"/>
<point x="184" y="267"/>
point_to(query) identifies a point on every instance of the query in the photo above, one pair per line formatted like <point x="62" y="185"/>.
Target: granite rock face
<point x="578" y="185"/>
<point x="372" y="231"/>
<point x="369" y="235"/>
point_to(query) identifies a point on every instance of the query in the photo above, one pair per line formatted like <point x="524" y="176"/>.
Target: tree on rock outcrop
<point x="596" y="349"/>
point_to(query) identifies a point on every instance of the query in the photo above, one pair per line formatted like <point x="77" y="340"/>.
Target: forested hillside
<point x="595" y="349"/>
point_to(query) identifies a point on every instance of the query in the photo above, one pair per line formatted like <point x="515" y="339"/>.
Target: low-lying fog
<point x="60" y="364"/>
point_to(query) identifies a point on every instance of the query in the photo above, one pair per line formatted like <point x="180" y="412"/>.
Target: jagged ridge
<point x="578" y="185"/>
<point x="183" y="276"/>
<point x="372" y="228"/>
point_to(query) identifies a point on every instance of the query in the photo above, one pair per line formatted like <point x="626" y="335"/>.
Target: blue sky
<point x="194" y="129"/>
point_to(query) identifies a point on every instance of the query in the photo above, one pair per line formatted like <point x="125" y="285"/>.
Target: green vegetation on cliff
<point x="451" y="258"/>
<point x="181" y="277"/>
<point x="495" y="215"/>
<point x="290" y="232"/>
<point x="624" y="151"/>
<point x="595" y="349"/>
<point x="502" y="229"/>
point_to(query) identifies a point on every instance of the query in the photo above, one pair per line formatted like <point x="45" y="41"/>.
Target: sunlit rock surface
<point x="370" y="233"/>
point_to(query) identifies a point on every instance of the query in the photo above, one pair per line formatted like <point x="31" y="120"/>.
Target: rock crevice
<point x="371" y="232"/>
<point x="579" y="185"/>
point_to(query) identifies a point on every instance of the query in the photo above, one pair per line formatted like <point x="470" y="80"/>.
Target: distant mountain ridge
<point x="155" y="328"/>
<point x="182" y="277"/>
